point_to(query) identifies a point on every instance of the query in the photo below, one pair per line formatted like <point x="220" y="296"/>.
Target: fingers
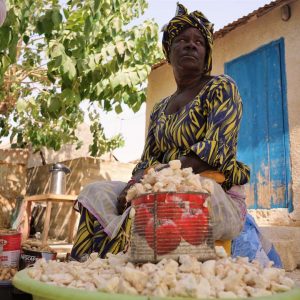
<point x="161" y="166"/>
<point x="122" y="202"/>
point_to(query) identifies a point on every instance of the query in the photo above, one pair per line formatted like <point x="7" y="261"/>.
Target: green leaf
<point x="69" y="97"/>
<point x="46" y="25"/>
<point x="69" y="68"/>
<point x="25" y="39"/>
<point x="142" y="74"/>
<point x="54" y="106"/>
<point x="21" y="105"/>
<point x="56" y="18"/>
<point x="56" y="49"/>
<point x="5" y="61"/>
<point x="88" y="25"/>
<point x="5" y="37"/>
<point x="96" y="5"/>
<point x="118" y="109"/>
<point x="66" y="13"/>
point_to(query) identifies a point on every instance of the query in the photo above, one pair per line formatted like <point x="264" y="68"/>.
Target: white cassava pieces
<point x="222" y="278"/>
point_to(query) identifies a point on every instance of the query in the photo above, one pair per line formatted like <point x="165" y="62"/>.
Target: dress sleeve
<point x="224" y="111"/>
<point x="151" y="152"/>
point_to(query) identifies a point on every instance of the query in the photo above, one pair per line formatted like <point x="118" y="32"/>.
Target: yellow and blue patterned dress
<point x="208" y="125"/>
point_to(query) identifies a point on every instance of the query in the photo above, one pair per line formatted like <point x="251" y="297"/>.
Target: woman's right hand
<point x="122" y="203"/>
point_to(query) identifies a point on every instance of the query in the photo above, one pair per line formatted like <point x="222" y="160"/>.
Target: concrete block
<point x="286" y="240"/>
<point x="287" y="253"/>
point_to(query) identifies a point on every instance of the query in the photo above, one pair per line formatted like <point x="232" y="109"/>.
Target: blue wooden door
<point x="264" y="137"/>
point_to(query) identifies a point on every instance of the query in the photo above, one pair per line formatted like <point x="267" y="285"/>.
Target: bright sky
<point x="219" y="12"/>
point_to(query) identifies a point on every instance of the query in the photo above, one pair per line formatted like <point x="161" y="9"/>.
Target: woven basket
<point x="167" y="225"/>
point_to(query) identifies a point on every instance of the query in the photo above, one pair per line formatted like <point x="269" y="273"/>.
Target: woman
<point x="198" y="125"/>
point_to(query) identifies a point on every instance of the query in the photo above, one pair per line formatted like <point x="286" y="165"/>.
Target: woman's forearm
<point x="138" y="175"/>
<point x="193" y="161"/>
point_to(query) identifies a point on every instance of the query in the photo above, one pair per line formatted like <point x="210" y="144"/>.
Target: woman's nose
<point x="190" y="44"/>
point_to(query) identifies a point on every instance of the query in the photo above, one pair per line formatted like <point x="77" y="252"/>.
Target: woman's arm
<point x="218" y="148"/>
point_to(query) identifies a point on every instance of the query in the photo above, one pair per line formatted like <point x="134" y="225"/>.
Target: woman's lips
<point x="189" y="56"/>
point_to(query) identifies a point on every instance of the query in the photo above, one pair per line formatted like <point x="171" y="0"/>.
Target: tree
<point x="54" y="55"/>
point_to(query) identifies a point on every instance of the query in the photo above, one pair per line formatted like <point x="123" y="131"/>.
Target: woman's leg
<point x="91" y="237"/>
<point x="103" y="244"/>
<point x="83" y="244"/>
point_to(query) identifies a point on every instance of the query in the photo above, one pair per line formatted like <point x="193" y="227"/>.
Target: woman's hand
<point x="122" y="203"/>
<point x="191" y="160"/>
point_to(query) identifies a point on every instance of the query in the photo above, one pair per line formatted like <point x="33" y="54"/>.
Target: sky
<point x="219" y="12"/>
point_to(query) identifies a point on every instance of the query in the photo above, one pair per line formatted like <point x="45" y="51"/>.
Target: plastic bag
<point x="227" y="210"/>
<point x="254" y="245"/>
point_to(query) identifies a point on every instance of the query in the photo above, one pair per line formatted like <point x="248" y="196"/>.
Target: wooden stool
<point x="49" y="199"/>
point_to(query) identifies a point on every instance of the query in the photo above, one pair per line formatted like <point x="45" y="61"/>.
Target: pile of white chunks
<point x="170" y="179"/>
<point x="221" y="278"/>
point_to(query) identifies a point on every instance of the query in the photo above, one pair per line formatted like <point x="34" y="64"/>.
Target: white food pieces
<point x="171" y="179"/>
<point x="225" y="277"/>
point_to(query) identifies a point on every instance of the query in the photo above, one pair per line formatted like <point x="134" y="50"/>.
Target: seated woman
<point x="198" y="125"/>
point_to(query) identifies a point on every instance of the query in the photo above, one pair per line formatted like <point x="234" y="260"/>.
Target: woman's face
<point x="188" y="50"/>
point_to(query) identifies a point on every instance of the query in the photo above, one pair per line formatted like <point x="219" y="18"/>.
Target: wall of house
<point x="12" y="182"/>
<point x="161" y="83"/>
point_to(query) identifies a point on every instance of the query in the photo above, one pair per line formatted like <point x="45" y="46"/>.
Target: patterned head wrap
<point x="184" y="20"/>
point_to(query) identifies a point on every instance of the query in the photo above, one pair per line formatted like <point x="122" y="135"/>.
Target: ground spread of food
<point x="221" y="278"/>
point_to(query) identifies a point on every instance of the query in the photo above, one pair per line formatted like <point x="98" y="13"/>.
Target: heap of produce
<point x="172" y="179"/>
<point x="171" y="214"/>
<point x="222" y="278"/>
<point x="36" y="245"/>
<point x="7" y="273"/>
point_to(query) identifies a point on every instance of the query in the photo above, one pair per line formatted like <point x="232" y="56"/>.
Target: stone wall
<point x="12" y="181"/>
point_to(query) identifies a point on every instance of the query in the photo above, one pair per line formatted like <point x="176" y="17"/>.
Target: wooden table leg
<point x="26" y="228"/>
<point x="46" y="223"/>
<point x="71" y="226"/>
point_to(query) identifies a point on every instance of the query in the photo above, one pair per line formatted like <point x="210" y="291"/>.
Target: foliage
<point x="54" y="55"/>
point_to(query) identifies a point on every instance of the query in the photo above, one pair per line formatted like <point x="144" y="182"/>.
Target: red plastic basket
<point x="171" y="224"/>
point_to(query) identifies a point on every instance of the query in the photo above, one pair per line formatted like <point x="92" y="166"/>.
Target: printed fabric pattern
<point x="208" y="125"/>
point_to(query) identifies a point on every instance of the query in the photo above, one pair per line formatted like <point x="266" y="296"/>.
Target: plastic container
<point x="43" y="291"/>
<point x="171" y="224"/>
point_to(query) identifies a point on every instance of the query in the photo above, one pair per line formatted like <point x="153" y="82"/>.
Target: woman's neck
<point x="187" y="82"/>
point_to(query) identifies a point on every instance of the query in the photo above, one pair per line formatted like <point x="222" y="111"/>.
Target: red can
<point x="10" y="247"/>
